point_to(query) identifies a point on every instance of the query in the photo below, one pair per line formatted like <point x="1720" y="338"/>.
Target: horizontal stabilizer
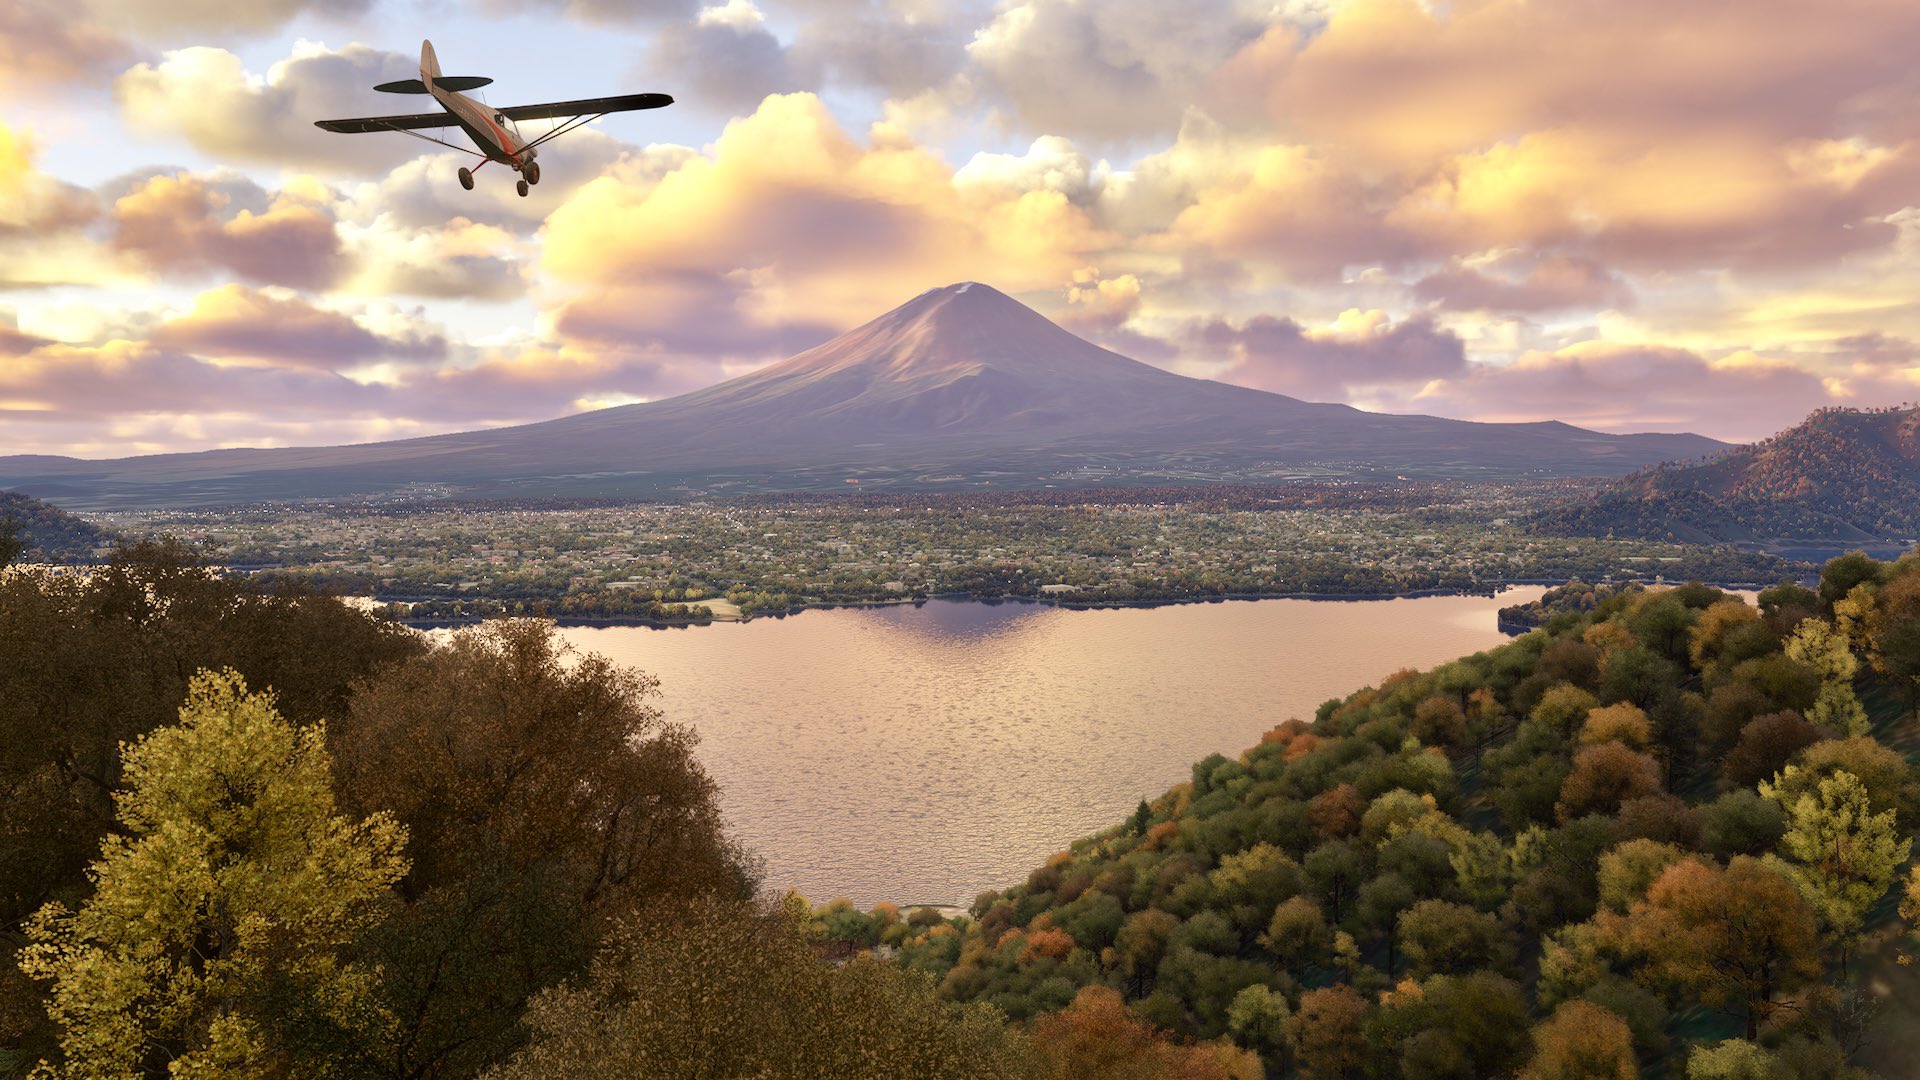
<point x="444" y="82"/>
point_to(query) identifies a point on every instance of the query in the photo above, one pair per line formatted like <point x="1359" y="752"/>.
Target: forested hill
<point x="1843" y="474"/>
<point x="50" y="533"/>
<point x="1603" y="850"/>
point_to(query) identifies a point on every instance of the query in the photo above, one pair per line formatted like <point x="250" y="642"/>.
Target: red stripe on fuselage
<point x="504" y="144"/>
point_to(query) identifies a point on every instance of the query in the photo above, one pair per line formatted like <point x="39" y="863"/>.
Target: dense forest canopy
<point x="1665" y="833"/>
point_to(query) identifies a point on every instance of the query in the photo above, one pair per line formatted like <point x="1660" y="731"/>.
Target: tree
<point x="1603" y="777"/>
<point x="1631" y="868"/>
<point x="1620" y="723"/>
<point x="1443" y="938"/>
<point x="1582" y="1041"/>
<point x="1324" y="1033"/>
<point x="1258" y="1018"/>
<point x="1816" y="644"/>
<point x="1733" y="1059"/>
<point x="718" y="986"/>
<point x="1298" y="935"/>
<point x="213" y="943"/>
<point x="1842" y="855"/>
<point x="1142" y="943"/>
<point x="1889" y="781"/>
<point x="1737" y="939"/>
<point x="547" y="800"/>
<point x="1099" y="1036"/>
<point x="1440" y="721"/>
<point x="1766" y="744"/>
<point x="13" y="543"/>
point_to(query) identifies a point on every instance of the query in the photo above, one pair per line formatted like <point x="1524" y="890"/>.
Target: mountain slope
<point x="958" y="387"/>
<point x="50" y="533"/>
<point x="1842" y="474"/>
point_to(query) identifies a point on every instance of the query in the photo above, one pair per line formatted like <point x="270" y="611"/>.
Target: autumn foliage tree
<point x="1582" y="1041"/>
<point x="1738" y="939"/>
<point x="547" y="799"/>
<point x="215" y="941"/>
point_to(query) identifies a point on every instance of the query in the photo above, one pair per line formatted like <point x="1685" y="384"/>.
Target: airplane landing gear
<point x="522" y="188"/>
<point x="466" y="178"/>
<point x="533" y="172"/>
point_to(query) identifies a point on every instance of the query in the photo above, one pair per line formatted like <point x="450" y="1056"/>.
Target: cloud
<point x="899" y="52"/>
<point x="729" y="58"/>
<point x="1557" y="283"/>
<point x="44" y="47"/>
<point x="1107" y="71"/>
<point x="237" y="323"/>
<point x="177" y="223"/>
<point x="601" y="12"/>
<point x="789" y="231"/>
<point x="208" y="97"/>
<point x="1361" y="350"/>
<point x="185" y="18"/>
<point x="1740" y="396"/>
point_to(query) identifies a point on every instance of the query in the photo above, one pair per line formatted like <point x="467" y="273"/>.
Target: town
<point x="694" y="561"/>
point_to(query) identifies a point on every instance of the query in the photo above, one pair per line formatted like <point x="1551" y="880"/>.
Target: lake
<point x="924" y="753"/>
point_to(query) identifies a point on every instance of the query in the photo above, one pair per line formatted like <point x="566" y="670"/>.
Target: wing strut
<point x="442" y="142"/>
<point x="562" y="129"/>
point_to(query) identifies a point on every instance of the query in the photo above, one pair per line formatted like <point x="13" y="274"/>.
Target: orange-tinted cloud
<point x="179" y="223"/>
<point x="790" y="230"/>
<point x="237" y="323"/>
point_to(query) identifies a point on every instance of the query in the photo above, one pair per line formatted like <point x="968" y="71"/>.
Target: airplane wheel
<point x="533" y="172"/>
<point x="522" y="186"/>
<point x="466" y="178"/>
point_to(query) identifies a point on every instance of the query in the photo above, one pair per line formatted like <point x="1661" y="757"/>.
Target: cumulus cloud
<point x="1107" y="71"/>
<point x="790" y="231"/>
<point x="900" y="49"/>
<point x="178" y="223"/>
<point x="280" y="329"/>
<point x="1359" y="351"/>
<point x="209" y="98"/>
<point x="729" y="58"/>
<point x="1557" y="283"/>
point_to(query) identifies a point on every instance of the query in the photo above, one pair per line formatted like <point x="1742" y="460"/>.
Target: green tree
<point x="1816" y="644"/>
<point x="212" y="945"/>
<point x="1258" y="1018"/>
<point x="1841" y="854"/>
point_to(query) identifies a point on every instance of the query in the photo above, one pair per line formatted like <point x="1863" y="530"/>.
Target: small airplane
<point x="495" y="131"/>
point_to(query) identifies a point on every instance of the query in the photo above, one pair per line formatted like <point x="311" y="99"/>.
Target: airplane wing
<point x="587" y="106"/>
<point x="363" y="124"/>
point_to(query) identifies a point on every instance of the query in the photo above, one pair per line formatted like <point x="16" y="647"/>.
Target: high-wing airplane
<point x="494" y="131"/>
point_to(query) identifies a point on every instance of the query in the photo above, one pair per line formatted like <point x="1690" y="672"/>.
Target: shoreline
<point x="1490" y="590"/>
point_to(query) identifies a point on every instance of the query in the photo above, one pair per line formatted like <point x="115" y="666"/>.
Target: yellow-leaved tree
<point x="212" y="944"/>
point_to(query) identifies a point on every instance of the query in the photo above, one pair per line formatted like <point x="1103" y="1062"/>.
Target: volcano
<point x="961" y="387"/>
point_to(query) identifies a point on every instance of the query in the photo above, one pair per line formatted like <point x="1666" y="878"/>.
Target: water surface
<point x="925" y="753"/>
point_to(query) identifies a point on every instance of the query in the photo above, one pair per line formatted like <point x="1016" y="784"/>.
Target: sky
<point x="1676" y="215"/>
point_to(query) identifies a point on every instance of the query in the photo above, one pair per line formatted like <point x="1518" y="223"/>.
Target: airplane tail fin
<point x="429" y="63"/>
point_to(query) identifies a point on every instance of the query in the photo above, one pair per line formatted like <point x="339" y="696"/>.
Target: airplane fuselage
<point x="487" y="128"/>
